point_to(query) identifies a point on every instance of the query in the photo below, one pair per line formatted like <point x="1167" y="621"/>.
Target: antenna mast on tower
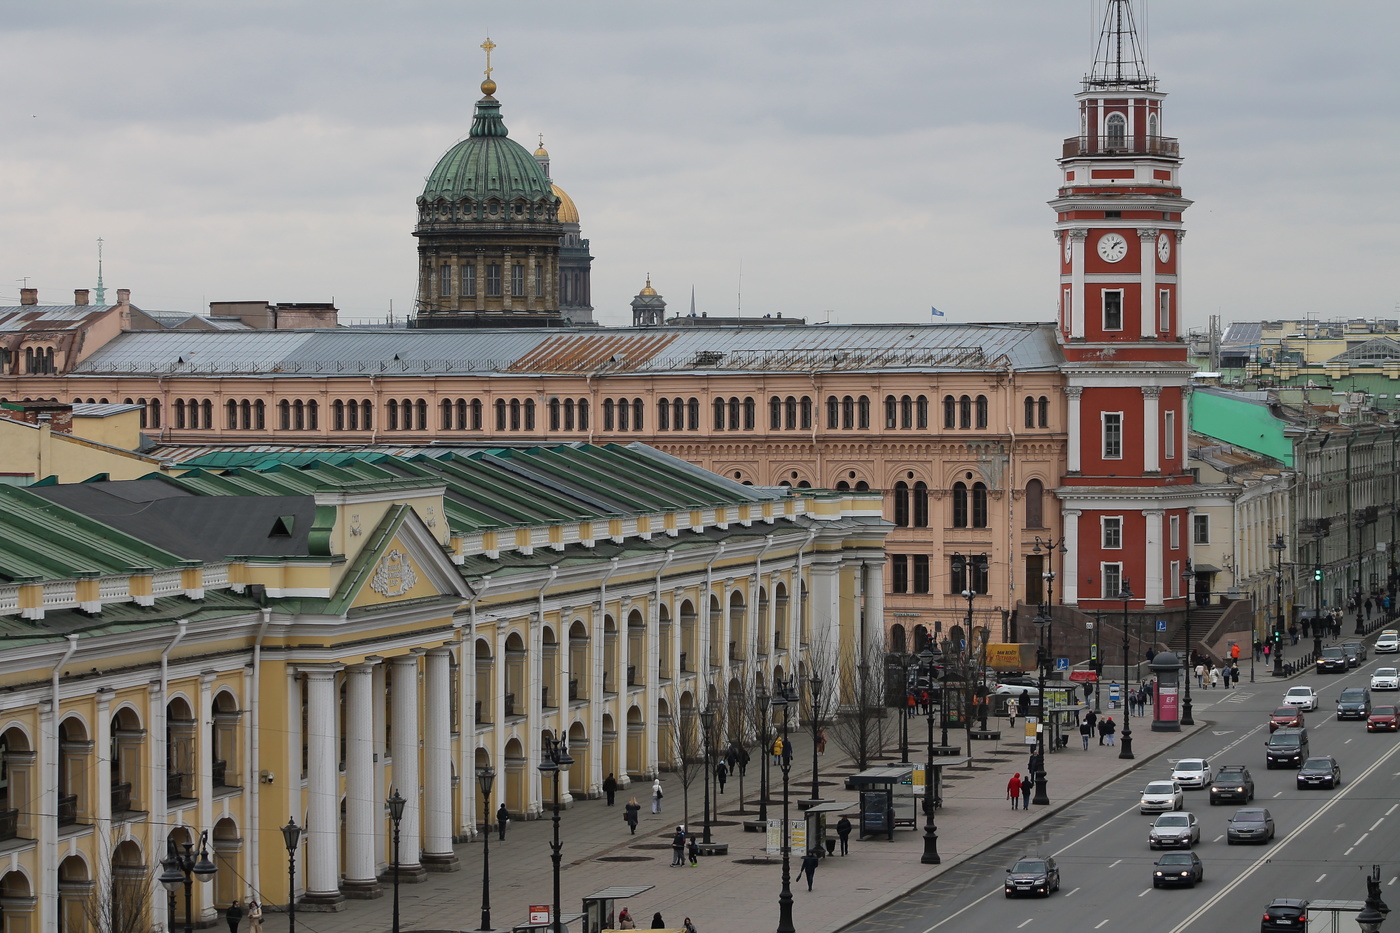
<point x="101" y="289"/>
<point x="1119" y="61"/>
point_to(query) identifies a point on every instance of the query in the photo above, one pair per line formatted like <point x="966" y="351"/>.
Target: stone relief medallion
<point x="394" y="576"/>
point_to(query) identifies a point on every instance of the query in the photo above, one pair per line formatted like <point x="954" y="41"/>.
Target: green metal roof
<point x="488" y="164"/>
<point x="122" y="617"/>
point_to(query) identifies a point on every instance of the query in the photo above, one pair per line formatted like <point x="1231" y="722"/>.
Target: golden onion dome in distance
<point x="542" y="152"/>
<point x="488" y="87"/>
<point x="568" y="213"/>
<point x="648" y="290"/>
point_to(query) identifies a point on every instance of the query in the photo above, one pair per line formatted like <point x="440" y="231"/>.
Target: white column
<point x="1180" y="285"/>
<point x="1073" y="443"/>
<point x="102" y="736"/>
<point x="379" y="743"/>
<point x="1147" y="247"/>
<point x="1069" y="573"/>
<point x="437" y="763"/>
<point x="405" y="745"/>
<point x="322" y="788"/>
<point x="466" y="737"/>
<point x="1078" y="299"/>
<point x="45" y="801"/>
<point x="1152" y="552"/>
<point x="204" y="743"/>
<point x="1184" y="426"/>
<point x="874" y="612"/>
<point x="1151" y="429"/>
<point x="361" y="812"/>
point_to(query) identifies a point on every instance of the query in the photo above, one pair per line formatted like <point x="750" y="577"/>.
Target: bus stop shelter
<point x="876" y="787"/>
<point x="598" y="908"/>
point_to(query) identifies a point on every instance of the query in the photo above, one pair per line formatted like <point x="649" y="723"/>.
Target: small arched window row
<point x="568" y="414"/>
<point x="1037" y="411"/>
<point x="790" y="413"/>
<point x="298" y="415"/>
<point x="678" y="414"/>
<point x="623" y="414"/>
<point x="964" y="413"/>
<point x="970" y="508"/>
<point x="193" y="414"/>
<point x="735" y="414"/>
<point x="847" y="413"/>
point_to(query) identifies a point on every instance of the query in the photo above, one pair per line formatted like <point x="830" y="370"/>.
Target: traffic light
<point x="1317" y="575"/>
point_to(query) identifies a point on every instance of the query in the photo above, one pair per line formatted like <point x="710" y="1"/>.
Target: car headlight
<point x="1158" y="874"/>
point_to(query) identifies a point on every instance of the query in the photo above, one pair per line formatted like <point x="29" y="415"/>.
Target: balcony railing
<point x="1121" y="146"/>
<point x="9" y="825"/>
<point x="67" y="809"/>
<point x="121" y="797"/>
<point x="220" y="772"/>
<point x="174" y="786"/>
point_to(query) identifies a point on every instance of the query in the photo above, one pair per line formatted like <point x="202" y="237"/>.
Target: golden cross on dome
<point x="488" y="45"/>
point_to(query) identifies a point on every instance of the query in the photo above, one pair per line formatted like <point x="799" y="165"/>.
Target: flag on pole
<point x="937" y="313"/>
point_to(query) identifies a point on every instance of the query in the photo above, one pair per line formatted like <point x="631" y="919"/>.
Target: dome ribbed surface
<point x="487" y="164"/>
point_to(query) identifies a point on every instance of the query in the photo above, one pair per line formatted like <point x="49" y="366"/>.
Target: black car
<point x="1322" y="771"/>
<point x="1285" y="913"/>
<point x="1232" y="782"/>
<point x="1033" y="876"/>
<point x="1355" y="651"/>
<point x="1354" y="703"/>
<point x="1178" y="868"/>
<point x="1286" y="748"/>
<point x="1332" y="658"/>
<point x="1250" y="824"/>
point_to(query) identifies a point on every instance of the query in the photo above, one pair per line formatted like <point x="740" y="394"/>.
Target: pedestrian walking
<point x="1027" y="784"/>
<point x="233" y="915"/>
<point x="610" y="787"/>
<point x="502" y="818"/>
<point x="630" y="814"/>
<point x="1102" y="726"/>
<point x="721" y="773"/>
<point x="809" y="866"/>
<point x="1215" y="671"/>
<point x="656" y="796"/>
<point x="1085" y="729"/>
<point x="821" y="741"/>
<point x="678" y="848"/>
<point x="625" y="921"/>
<point x="692" y="849"/>
<point x="656" y="922"/>
<point x="254" y="917"/>
<point x="1013" y="790"/>
<point x="1109" y="728"/>
<point x="778" y="751"/>
<point x="743" y="762"/>
<point x="843" y="833"/>
<point x="1012" y="708"/>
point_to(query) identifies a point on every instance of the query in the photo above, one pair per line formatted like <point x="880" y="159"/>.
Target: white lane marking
<point x="1392" y="809"/>
<point x="1218" y="838"/>
<point x="1279" y="794"/>
<point x="1347" y="742"/>
<point x="1362" y="839"/>
<point x="1375" y="824"/>
<point x="1320" y="877"/>
<point x="1100" y="923"/>
<point x="1145" y="891"/>
<point x="1347" y="852"/>
<point x="1111" y="864"/>
<point x="1392" y="880"/>
<point x="1024" y="922"/>
<point x="1071" y="893"/>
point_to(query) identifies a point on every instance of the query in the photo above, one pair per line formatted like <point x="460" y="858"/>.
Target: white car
<point x="1305" y="697"/>
<point x="1162" y="795"/>
<point x="1385" y="678"/>
<point x="1193" y="772"/>
<point x="1388" y="642"/>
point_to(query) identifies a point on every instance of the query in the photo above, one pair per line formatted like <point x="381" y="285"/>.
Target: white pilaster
<point x="379" y="746"/>
<point x="361" y="812"/>
<point x="1069" y="573"/>
<point x="874" y="611"/>
<point x="437" y="763"/>
<point x="1074" y="427"/>
<point x="204" y="743"/>
<point x="322" y="787"/>
<point x="1152" y="552"/>
<point x="1078" y="298"/>
<point x="405" y="746"/>
<point x="1151" y="429"/>
<point x="1179" y="297"/>
<point x="1147" y="248"/>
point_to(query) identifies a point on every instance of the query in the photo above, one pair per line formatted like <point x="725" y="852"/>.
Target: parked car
<point x="1385" y="678"/>
<point x="1286" y="748"/>
<point x="1290" y="716"/>
<point x="1285" y="913"/>
<point x="1192" y="772"/>
<point x="1355" y="652"/>
<point x="1383" y="719"/>
<point x="1333" y="659"/>
<point x="1304" y="697"/>
<point x="1250" y="824"/>
<point x="1322" y="771"/>
<point x="1033" y="876"/>
<point x="1178" y="868"/>
<point x="1354" y="703"/>
<point x="1015" y="690"/>
<point x="1161" y="795"/>
<point x="1174" y="831"/>
<point x="1232" y="782"/>
<point x="1388" y="642"/>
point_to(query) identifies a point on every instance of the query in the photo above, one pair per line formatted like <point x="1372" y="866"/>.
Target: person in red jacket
<point x="1013" y="790"/>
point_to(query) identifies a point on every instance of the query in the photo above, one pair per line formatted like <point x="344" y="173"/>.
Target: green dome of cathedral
<point x="488" y="164"/>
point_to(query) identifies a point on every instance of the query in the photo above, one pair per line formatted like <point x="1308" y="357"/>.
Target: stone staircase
<point x="1202" y="621"/>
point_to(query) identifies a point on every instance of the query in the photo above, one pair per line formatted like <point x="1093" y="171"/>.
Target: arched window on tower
<point x="833" y="413"/>
<point x="1152" y="125"/>
<point x="1035" y="507"/>
<point x="719" y="414"/>
<point x="965" y="412"/>
<point x="775" y="414"/>
<point x="950" y="412"/>
<point x="1043" y="408"/>
<point x="1116" y="131"/>
<point x="848" y="413"/>
<point x="863" y="412"/>
<point x="790" y="412"/>
<point x="890" y="412"/>
<point x="921" y="412"/>
<point x="608" y="414"/>
<point x="806" y="413"/>
<point x="1030" y="411"/>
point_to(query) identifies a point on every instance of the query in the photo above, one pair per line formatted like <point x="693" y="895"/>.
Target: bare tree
<point x="686" y="747"/>
<point x="819" y="704"/>
<point x="121" y="899"/>
<point x="860" y="724"/>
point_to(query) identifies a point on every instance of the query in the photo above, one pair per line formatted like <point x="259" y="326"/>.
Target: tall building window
<point x="950" y="412"/>
<point x="848" y="413"/>
<point x="901" y="504"/>
<point x="678" y="415"/>
<point x="1113" y="435"/>
<point x="863" y="412"/>
<point x="833" y="413"/>
<point x="469" y="281"/>
<point x="734" y="413"/>
<point x="445" y="281"/>
<point x="1164" y="310"/>
<point x="1030" y="411"/>
<point x="1200" y="529"/>
<point x="1113" y="310"/>
<point x="517" y="280"/>
<point x="906" y="412"/>
<point x="1112" y="532"/>
<point x="693" y="414"/>
<point x="608" y="414"/>
<point x="981" y="411"/>
<point x="890" y="412"/>
<point x="921" y="406"/>
<point x="1112" y="576"/>
<point x="790" y="413"/>
<point x="583" y="414"/>
<point x="539" y="281"/>
<point x="1043" y="407"/>
<point x="719" y="414"/>
<point x="1169" y="440"/>
<point x="637" y="408"/>
<point x="921" y="575"/>
<point x="806" y="406"/>
<point x="1174" y="531"/>
<point x="899" y="573"/>
<point x="919" y="500"/>
<point x="960" y="505"/>
<point x="1035" y="508"/>
<point x="965" y="412"/>
<point x="1117" y="131"/>
<point x="623" y="414"/>
<point x="663" y="415"/>
<point x="493" y="280"/>
<point x="775" y="414"/>
<point x="980" y="511"/>
<point x="500" y="415"/>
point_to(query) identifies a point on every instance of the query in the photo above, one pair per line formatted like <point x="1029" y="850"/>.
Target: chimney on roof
<point x="80" y="296"/>
<point x="123" y="296"/>
<point x="29" y="296"/>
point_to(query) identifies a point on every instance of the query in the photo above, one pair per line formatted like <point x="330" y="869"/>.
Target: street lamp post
<point x="930" y="857"/>
<point x="761" y="700"/>
<point x="1188" y="577"/>
<point x="1278" y="547"/>
<point x="291" y="835"/>
<point x="906" y="660"/>
<point x="707" y="723"/>
<point x="1318" y="535"/>
<point x="485" y="777"/>
<point x="556" y="760"/>
<point x="1044" y="622"/>
<point x="184" y="868"/>
<point x="1372" y="915"/>
<point x="815" y="682"/>
<point x="782" y="698"/>
<point x="943" y="691"/>
<point x="396" y="804"/>
<point x="1127" y="745"/>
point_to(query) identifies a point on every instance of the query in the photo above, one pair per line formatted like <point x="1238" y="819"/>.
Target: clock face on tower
<point x="1164" y="247"/>
<point x="1112" y="247"/>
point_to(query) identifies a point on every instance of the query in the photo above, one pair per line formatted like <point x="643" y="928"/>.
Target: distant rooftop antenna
<point x="101" y="289"/>
<point x="739" y="309"/>
<point x="1119" y="61"/>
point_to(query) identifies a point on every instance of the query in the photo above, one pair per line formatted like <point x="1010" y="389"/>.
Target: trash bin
<point x="830" y="846"/>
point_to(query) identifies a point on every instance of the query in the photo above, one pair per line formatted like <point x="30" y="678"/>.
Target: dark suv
<point x="1232" y="782"/>
<point x="1286" y="748"/>
<point x="1332" y="659"/>
<point x="1285" y="913"/>
<point x="1354" y="703"/>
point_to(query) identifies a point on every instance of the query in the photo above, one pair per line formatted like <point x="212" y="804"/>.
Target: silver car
<point x="1174" y="831"/>
<point x="1161" y="795"/>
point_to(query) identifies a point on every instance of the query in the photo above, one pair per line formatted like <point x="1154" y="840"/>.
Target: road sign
<point x="1062" y="664"/>
<point x="1161" y="625"/>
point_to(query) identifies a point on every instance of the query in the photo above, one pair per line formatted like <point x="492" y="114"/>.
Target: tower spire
<point x="101" y="289"/>
<point x="1119" y="61"/>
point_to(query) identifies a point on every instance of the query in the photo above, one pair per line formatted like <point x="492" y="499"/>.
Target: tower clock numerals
<point x="1164" y="247"/>
<point x="1112" y="247"/>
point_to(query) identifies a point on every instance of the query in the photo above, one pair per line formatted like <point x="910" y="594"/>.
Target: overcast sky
<point x="857" y="161"/>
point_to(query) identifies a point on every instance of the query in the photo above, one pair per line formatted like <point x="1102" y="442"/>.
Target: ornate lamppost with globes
<point x="291" y="836"/>
<point x="1188" y="578"/>
<point x="182" y="868"/>
<point x="485" y="777"/>
<point x="761" y="700"/>
<point x="782" y="700"/>
<point x="929" y="658"/>
<point x="556" y="761"/>
<point x="396" y="803"/>
<point x="815" y="684"/>
<point x="1278" y="547"/>
<point x="1126" y="750"/>
<point x="707" y="725"/>
<point x="1044" y="623"/>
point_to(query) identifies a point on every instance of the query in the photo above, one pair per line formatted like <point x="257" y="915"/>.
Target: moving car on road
<point x="1285" y="913"/>
<point x="1322" y="771"/>
<point x="1332" y="659"/>
<point x="1286" y="748"/>
<point x="1355" y="652"/>
<point x="1388" y="642"/>
<point x="1161" y="795"/>
<point x="1232" y="782"/>
<point x="1354" y="703"/>
<point x="1385" y="678"/>
<point x="1303" y="697"/>
<point x="1174" y="831"/>
<point x="1178" y="868"/>
<point x="1383" y="719"/>
<point x="1192" y="772"/>
<point x="1033" y="876"/>
<point x="1250" y="824"/>
<point x="1290" y="716"/>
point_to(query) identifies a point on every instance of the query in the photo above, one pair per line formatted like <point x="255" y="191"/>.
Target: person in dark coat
<point x="610" y="787"/>
<point x="630" y="814"/>
<point x="809" y="866"/>
<point x="678" y="848"/>
<point x="502" y="818"/>
<point x="721" y="773"/>
<point x="1102" y="726"/>
<point x="656" y="922"/>
<point x="692" y="849"/>
<point x="843" y="833"/>
<point x="1026" y="787"/>
<point x="743" y="761"/>
<point x="1086" y="729"/>
<point x="234" y="915"/>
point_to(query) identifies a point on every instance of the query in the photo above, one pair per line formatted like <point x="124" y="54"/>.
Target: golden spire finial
<point x="488" y="87"/>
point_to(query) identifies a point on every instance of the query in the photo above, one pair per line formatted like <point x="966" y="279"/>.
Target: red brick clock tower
<point x="1126" y="494"/>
